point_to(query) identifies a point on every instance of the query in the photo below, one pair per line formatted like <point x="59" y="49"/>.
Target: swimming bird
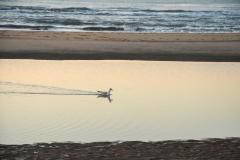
<point x="105" y="93"/>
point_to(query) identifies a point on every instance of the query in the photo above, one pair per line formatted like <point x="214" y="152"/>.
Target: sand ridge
<point x="48" y="45"/>
<point x="120" y="36"/>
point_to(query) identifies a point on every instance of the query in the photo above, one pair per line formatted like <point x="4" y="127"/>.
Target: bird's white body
<point x="103" y="93"/>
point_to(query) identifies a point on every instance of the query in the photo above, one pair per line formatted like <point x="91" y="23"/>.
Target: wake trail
<point x="32" y="89"/>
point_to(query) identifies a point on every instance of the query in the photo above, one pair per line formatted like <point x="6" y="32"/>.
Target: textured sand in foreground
<point x="190" y="149"/>
<point x="120" y="46"/>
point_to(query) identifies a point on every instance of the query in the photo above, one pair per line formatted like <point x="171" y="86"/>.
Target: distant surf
<point x="155" y="16"/>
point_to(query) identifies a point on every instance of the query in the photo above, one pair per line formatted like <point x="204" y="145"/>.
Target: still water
<point x="46" y="101"/>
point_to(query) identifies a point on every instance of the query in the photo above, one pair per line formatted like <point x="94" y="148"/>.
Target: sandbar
<point x="50" y="45"/>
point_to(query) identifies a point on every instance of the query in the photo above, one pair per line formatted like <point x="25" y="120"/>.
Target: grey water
<point x="47" y="101"/>
<point x="154" y="16"/>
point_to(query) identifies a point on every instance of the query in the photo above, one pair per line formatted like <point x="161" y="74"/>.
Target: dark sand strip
<point x="12" y="48"/>
<point x="190" y="149"/>
<point x="119" y="46"/>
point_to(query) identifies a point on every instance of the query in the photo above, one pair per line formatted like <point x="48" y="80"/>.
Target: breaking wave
<point x="120" y="19"/>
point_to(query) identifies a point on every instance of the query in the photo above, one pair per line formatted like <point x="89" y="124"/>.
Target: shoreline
<point x="48" y="45"/>
<point x="214" y="148"/>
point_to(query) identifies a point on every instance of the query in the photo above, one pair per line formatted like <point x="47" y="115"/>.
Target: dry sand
<point x="48" y="45"/>
<point x="224" y="149"/>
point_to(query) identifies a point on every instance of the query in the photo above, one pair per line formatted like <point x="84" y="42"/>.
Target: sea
<point x="153" y="16"/>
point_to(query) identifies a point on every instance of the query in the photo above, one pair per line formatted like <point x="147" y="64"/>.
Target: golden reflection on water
<point x="151" y="101"/>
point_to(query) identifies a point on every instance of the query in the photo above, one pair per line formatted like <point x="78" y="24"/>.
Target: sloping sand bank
<point x="190" y="149"/>
<point x="119" y="46"/>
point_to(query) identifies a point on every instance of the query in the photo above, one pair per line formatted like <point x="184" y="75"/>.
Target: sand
<point x="224" y="47"/>
<point x="189" y="149"/>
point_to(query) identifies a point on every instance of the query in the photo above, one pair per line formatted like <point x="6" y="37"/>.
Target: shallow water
<point x="45" y="101"/>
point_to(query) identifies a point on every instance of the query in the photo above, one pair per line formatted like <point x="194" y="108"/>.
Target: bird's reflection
<point x="105" y="96"/>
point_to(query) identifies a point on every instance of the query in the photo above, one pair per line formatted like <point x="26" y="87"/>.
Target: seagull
<point x="102" y="93"/>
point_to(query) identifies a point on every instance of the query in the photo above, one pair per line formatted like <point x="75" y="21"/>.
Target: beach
<point x="46" y="45"/>
<point x="55" y="45"/>
<point x="173" y="65"/>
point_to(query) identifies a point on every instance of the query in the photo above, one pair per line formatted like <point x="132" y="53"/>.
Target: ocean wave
<point x="13" y="26"/>
<point x="103" y="13"/>
<point x="167" y="11"/>
<point x="22" y="8"/>
<point x="172" y="25"/>
<point x="103" y="28"/>
<point x="70" y="9"/>
<point x="112" y="19"/>
<point x="139" y="29"/>
<point x="68" y="21"/>
<point x="114" y="11"/>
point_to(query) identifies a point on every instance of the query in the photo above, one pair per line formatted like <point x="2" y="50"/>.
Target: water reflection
<point x="155" y="101"/>
<point x="106" y="96"/>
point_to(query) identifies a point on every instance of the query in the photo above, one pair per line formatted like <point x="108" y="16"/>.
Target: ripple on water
<point x="151" y="101"/>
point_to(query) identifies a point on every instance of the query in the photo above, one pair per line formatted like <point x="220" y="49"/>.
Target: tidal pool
<point x="56" y="101"/>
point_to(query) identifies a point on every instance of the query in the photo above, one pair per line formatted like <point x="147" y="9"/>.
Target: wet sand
<point x="190" y="149"/>
<point x="47" y="45"/>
